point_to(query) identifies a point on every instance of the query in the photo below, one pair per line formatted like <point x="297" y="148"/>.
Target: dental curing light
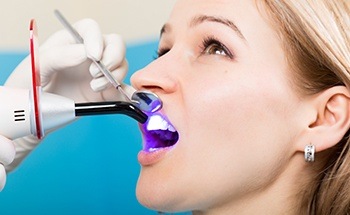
<point x="32" y="111"/>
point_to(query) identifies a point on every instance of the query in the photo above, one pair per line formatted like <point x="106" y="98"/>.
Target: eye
<point x="212" y="46"/>
<point x="215" y="49"/>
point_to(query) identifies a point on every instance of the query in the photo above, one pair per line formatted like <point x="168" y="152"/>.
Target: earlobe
<point x="332" y="120"/>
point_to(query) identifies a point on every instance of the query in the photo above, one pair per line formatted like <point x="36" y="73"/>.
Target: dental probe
<point x="99" y="64"/>
<point x="145" y="100"/>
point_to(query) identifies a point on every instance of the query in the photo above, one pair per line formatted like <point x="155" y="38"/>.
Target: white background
<point x="135" y="20"/>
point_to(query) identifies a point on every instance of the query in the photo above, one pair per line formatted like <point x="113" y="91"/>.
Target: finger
<point x="91" y="33"/>
<point x="2" y="177"/>
<point x="7" y="151"/>
<point x="102" y="83"/>
<point x="113" y="54"/>
<point x="59" y="38"/>
<point x="60" y="58"/>
<point x="88" y="29"/>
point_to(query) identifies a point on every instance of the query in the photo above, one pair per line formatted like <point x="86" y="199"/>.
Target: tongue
<point x="160" y="139"/>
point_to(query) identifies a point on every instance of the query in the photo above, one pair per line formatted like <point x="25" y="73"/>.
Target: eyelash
<point x="160" y="53"/>
<point x="206" y="43"/>
<point x="210" y="42"/>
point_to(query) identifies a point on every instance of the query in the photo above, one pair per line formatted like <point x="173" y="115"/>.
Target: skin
<point x="241" y="123"/>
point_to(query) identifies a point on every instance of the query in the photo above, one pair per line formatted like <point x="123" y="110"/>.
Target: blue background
<point x="88" y="167"/>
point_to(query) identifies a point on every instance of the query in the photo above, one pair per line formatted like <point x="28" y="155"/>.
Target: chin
<point x="152" y="194"/>
<point x="157" y="196"/>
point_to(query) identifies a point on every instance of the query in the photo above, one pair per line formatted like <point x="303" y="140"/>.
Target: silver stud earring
<point x="309" y="153"/>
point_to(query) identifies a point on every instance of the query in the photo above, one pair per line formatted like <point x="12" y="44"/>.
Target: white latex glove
<point x="66" y="70"/>
<point x="7" y="154"/>
<point x="65" y="65"/>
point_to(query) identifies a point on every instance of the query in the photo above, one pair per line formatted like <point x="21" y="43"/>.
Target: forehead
<point x="224" y="7"/>
<point x="250" y="16"/>
<point x="250" y="19"/>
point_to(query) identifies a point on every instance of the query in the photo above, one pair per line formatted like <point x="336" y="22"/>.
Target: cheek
<point x="233" y="109"/>
<point x="237" y="132"/>
<point x="239" y="104"/>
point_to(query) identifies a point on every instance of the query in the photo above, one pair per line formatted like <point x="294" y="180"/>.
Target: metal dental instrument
<point x="99" y="64"/>
<point x="35" y="112"/>
<point x="145" y="100"/>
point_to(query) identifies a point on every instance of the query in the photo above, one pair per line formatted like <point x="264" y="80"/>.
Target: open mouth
<point x="158" y="133"/>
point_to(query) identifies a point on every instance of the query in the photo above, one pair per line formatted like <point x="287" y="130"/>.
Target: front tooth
<point x="157" y="122"/>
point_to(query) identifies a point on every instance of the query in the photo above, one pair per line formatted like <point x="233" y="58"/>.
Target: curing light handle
<point x="110" y="107"/>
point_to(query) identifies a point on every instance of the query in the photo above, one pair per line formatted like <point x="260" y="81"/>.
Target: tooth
<point x="154" y="123"/>
<point x="164" y="125"/>
<point x="171" y="128"/>
<point x="157" y="122"/>
<point x="153" y="149"/>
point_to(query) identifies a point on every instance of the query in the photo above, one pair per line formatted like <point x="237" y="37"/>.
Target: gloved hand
<point x="65" y="67"/>
<point x="7" y="154"/>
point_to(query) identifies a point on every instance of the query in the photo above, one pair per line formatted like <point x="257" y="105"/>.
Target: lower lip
<point x="147" y="158"/>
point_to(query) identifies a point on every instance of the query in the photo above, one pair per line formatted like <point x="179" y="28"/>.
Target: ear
<point x="331" y="120"/>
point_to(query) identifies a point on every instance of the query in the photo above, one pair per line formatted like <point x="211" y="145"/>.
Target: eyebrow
<point x="203" y="18"/>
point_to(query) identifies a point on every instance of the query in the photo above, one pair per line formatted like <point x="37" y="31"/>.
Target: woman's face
<point x="224" y="82"/>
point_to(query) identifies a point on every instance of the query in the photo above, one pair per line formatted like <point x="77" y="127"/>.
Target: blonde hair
<point x="316" y="37"/>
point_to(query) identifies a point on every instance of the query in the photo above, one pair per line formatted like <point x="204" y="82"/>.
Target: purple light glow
<point x="158" y="132"/>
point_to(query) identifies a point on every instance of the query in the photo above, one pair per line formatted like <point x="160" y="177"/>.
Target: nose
<point x="158" y="77"/>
